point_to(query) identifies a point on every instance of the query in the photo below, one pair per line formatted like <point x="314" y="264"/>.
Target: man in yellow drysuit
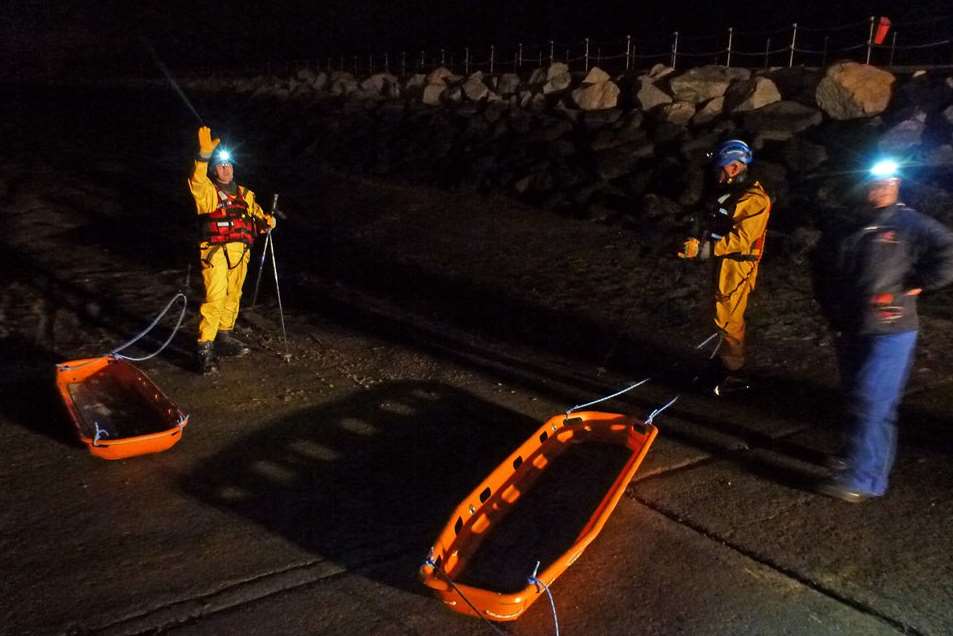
<point x="734" y="238"/>
<point x="229" y="220"/>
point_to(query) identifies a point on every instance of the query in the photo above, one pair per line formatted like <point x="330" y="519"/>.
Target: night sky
<point x="39" y="37"/>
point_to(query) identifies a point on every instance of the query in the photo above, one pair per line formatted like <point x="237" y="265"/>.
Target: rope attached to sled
<point x="534" y="580"/>
<point x="180" y="295"/>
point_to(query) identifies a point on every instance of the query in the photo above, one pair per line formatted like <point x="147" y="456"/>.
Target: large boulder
<point x="382" y="84"/>
<point x="344" y="84"/>
<point x="621" y="160"/>
<point x="679" y="113"/>
<point x="751" y="95"/>
<point x="508" y="84"/>
<point x="851" y="91"/>
<point x="783" y="116"/>
<point x="433" y="93"/>
<point x="648" y="95"/>
<point x="596" y="76"/>
<point x="474" y="88"/>
<point x="598" y="96"/>
<point x="705" y="82"/>
<point x="442" y="75"/>
<point x="558" y="79"/>
<point x="905" y="134"/>
<point x="710" y="111"/>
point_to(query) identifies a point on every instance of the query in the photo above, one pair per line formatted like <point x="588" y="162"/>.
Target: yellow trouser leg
<point x="735" y="283"/>
<point x="223" y="287"/>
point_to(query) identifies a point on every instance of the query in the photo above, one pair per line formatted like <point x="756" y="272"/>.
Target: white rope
<point x="659" y="410"/>
<point x="533" y="579"/>
<point x="180" y="295"/>
<point x="608" y="397"/>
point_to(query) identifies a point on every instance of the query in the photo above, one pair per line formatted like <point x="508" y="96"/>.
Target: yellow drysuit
<point x="223" y="266"/>
<point x="737" y="255"/>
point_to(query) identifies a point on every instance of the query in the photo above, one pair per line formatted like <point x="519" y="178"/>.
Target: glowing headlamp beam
<point x="223" y="156"/>
<point x="884" y="169"/>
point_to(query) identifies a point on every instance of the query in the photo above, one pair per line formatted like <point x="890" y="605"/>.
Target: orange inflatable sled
<point x="117" y="410"/>
<point x="483" y="509"/>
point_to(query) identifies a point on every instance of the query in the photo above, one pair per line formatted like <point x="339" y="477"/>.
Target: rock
<point x="344" y="85"/>
<point x="802" y="156"/>
<point x="509" y="83"/>
<point x="659" y="71"/>
<point x="599" y="96"/>
<point x="751" y="95"/>
<point x="453" y="94"/>
<point x="416" y="82"/>
<point x="557" y="83"/>
<point x="320" y="81"/>
<point x="383" y="84"/>
<point x="796" y="83"/>
<point x="596" y="76"/>
<point x="442" y="75"/>
<point x="648" y="95"/>
<point x="594" y="120"/>
<point x="948" y="115"/>
<point x="679" y="113"/>
<point x="782" y="116"/>
<point x="851" y="91"/>
<point x="904" y="135"/>
<point x="474" y="88"/>
<point x="712" y="109"/>
<point x="555" y="70"/>
<point x="621" y="160"/>
<point x="940" y="156"/>
<point x="704" y="82"/>
<point x="433" y="93"/>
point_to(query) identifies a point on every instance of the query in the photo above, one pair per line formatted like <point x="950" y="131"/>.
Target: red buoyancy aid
<point x="230" y="221"/>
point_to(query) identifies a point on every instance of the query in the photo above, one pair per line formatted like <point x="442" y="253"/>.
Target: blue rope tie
<point x="538" y="582"/>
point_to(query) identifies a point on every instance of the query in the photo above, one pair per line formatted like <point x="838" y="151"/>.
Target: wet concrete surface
<point x="430" y="333"/>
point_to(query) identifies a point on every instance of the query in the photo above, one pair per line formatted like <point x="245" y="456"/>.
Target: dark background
<point x="40" y="39"/>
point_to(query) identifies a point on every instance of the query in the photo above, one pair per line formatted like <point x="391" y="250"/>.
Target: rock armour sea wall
<point x="628" y="149"/>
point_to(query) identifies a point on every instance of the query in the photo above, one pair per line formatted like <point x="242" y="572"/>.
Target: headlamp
<point x="222" y="156"/>
<point x="885" y="169"/>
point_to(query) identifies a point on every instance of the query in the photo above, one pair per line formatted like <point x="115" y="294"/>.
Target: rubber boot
<point x="205" y="358"/>
<point x="228" y="346"/>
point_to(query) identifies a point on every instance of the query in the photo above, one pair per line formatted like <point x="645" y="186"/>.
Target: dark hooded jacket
<point x="867" y="261"/>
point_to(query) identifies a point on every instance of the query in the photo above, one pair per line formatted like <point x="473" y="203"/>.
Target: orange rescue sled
<point x="117" y="410"/>
<point x="497" y="495"/>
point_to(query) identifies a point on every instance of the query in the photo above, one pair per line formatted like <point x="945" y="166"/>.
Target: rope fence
<point x="875" y="41"/>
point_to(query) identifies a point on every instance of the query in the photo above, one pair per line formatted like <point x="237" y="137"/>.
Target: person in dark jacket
<point x="870" y="269"/>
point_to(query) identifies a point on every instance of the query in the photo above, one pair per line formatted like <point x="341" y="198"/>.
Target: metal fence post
<point x="731" y="38"/>
<point x="443" y="58"/>
<point x="370" y="64"/>
<point x="587" y="55"/>
<point x="628" y="51"/>
<point x="354" y="69"/>
<point x="827" y="41"/>
<point x="551" y="45"/>
<point x="386" y="62"/>
<point x="403" y="63"/>
<point x="519" y="56"/>
<point x="893" y="47"/>
<point x="870" y="39"/>
<point x="492" y="57"/>
<point x="466" y="60"/>
<point x="793" y="44"/>
<point x="422" y="62"/>
<point x="767" y="51"/>
<point x="674" y="48"/>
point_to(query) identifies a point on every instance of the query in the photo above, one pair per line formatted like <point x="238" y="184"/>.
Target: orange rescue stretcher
<point x="475" y="517"/>
<point x="117" y="410"/>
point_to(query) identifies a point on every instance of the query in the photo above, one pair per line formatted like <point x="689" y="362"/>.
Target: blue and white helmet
<point x="732" y="150"/>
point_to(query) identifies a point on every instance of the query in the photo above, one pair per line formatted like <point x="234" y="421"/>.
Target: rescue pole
<point x="270" y="246"/>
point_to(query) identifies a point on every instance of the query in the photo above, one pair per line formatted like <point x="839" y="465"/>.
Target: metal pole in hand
<point x="264" y="252"/>
<point x="281" y="311"/>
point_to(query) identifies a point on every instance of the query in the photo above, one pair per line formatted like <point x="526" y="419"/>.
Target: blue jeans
<point x="874" y="372"/>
